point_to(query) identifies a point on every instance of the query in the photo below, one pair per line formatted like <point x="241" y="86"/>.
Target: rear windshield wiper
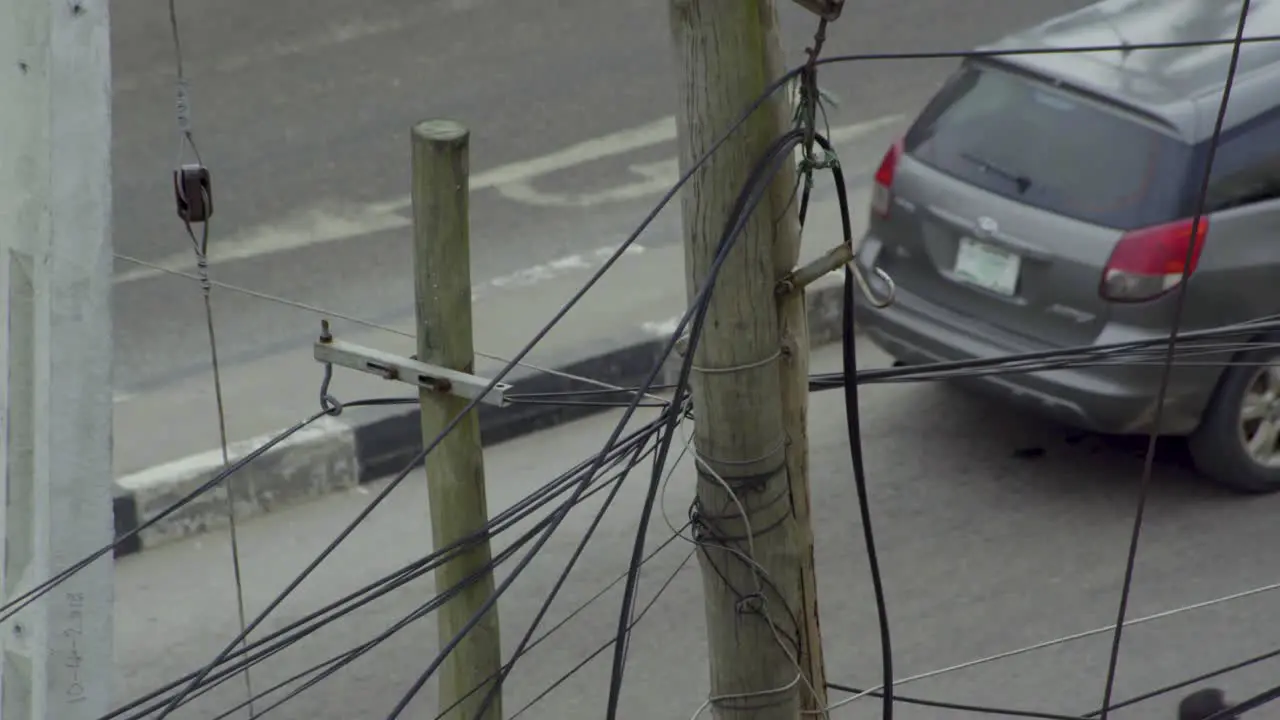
<point x="1022" y="181"/>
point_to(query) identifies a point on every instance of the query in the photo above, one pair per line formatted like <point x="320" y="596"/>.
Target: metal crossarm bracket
<point x="840" y="256"/>
<point x="802" y="277"/>
<point x="827" y="9"/>
<point x="407" y="370"/>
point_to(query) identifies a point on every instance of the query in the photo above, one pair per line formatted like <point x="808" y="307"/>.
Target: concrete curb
<point x="333" y="454"/>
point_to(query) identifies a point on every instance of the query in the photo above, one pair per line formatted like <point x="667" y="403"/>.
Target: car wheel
<point x="1238" y="442"/>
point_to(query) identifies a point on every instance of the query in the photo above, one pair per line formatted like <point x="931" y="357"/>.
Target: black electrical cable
<point x="439" y="559"/>
<point x="499" y="523"/>
<point x="1149" y="695"/>
<point x="611" y="642"/>
<point x="1116" y="351"/>
<point x="195" y="681"/>
<point x="1017" y="52"/>
<point x="853" y="418"/>
<point x="525" y="561"/>
<point x="538" y="545"/>
<point x="343" y="658"/>
<point x="310" y="568"/>
<point x="495" y="689"/>
<point x="515" y="657"/>
<point x="1000" y="367"/>
<point x="228" y="673"/>
<point x="1192" y="343"/>
<point x="576" y="403"/>
<point x="756" y="186"/>
<point x="1167" y="372"/>
<point x="507" y="517"/>
<point x="1188" y="682"/>
<point x="563" y="622"/>
<point x="17" y="604"/>
<point x="1140" y="698"/>
<point x="1143" y="697"/>
<point x="332" y="666"/>
<point x="422" y="612"/>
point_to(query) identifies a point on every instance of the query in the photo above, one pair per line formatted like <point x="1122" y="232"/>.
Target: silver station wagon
<point x="1046" y="201"/>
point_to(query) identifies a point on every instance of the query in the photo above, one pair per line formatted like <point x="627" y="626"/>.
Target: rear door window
<point x="1053" y="149"/>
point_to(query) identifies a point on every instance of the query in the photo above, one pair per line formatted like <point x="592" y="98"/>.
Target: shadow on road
<point x="979" y="440"/>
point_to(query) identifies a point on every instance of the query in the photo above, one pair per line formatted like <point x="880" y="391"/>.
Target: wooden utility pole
<point x="750" y="389"/>
<point x="455" y="469"/>
<point x="55" y="357"/>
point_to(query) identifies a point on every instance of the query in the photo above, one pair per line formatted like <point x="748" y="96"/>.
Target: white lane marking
<point x="625" y="141"/>
<point x="318" y="226"/>
<point x="527" y="277"/>
<point x="300" y="230"/>
<point x="656" y="177"/>
<point x="328" y="37"/>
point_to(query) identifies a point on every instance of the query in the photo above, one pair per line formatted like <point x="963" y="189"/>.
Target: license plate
<point x="987" y="267"/>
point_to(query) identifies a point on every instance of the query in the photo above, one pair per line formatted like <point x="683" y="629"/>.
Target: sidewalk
<point x="614" y="335"/>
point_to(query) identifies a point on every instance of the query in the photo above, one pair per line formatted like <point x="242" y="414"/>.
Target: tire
<point x="1218" y="445"/>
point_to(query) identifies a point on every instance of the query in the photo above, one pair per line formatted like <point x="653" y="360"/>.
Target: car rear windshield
<point x="1052" y="149"/>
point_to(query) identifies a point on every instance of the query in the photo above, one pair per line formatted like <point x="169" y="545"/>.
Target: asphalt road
<point x="302" y="109"/>
<point x="995" y="532"/>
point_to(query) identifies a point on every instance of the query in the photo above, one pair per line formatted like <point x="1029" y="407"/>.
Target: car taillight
<point x="882" y="189"/>
<point x="1150" y="262"/>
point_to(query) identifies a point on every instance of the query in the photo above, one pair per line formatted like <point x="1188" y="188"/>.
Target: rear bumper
<point x="1112" y="399"/>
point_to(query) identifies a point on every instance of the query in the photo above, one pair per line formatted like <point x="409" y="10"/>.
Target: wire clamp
<point x="424" y="376"/>
<point x="804" y="276"/>
<point x="819" y="159"/>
